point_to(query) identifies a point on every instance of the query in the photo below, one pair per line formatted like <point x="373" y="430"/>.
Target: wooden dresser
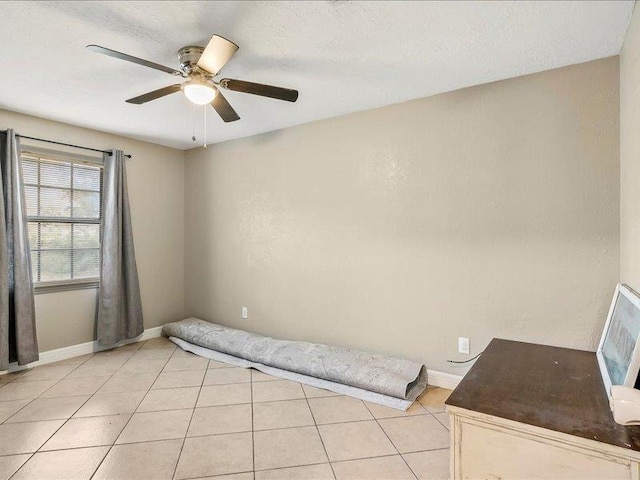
<point x="532" y="411"/>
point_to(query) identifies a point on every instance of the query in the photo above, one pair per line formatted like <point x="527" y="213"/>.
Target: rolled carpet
<point x="388" y="381"/>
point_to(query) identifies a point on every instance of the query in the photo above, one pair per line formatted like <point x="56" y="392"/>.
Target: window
<point x="63" y="199"/>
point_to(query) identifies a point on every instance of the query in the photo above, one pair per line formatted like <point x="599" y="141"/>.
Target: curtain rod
<point x="64" y="144"/>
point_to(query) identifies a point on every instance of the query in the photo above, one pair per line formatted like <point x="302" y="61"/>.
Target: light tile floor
<point x="152" y="411"/>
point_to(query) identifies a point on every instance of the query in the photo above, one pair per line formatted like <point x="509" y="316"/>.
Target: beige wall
<point x="630" y="156"/>
<point x="156" y="193"/>
<point x="489" y="211"/>
<point x="486" y="212"/>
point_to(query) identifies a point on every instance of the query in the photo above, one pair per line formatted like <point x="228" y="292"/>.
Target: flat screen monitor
<point x="618" y="353"/>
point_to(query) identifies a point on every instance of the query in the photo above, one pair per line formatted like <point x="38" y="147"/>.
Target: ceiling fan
<point x="200" y="66"/>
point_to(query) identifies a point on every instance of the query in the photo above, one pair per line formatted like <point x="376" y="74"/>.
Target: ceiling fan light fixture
<point x="199" y="66"/>
<point x="199" y="93"/>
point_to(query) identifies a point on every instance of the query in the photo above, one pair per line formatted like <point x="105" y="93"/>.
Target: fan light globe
<point x="199" y="93"/>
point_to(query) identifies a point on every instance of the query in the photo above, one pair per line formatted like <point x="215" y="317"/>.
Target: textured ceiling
<point x="343" y="56"/>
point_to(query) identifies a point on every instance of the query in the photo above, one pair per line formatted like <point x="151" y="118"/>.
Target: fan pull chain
<point x="193" y="122"/>
<point x="205" y="126"/>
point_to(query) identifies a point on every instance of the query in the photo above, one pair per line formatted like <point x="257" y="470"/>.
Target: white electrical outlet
<point x="463" y="345"/>
<point x="245" y="312"/>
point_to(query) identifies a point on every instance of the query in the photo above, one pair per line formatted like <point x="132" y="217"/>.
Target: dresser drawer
<point x="487" y="451"/>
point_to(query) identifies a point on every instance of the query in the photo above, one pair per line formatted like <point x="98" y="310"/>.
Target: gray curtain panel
<point x="119" y="313"/>
<point x="18" y="340"/>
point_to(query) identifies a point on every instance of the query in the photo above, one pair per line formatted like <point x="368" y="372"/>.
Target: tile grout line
<point x="39" y="396"/>
<point x="126" y="423"/>
<point x="201" y="436"/>
<point x="434" y="416"/>
<point x="304" y="392"/>
<point x="209" y="406"/>
<point x="132" y="414"/>
<point x="66" y="419"/>
<point x="427" y="413"/>
<point x="292" y="466"/>
<point x="390" y="441"/>
<point x="19" y="372"/>
<point x="193" y="411"/>
<point x="216" y="476"/>
<point x="300" y="466"/>
<point x="25" y="462"/>
<point x="247" y="471"/>
<point x="218" y="434"/>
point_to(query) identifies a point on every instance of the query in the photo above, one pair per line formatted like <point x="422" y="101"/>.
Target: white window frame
<point x="44" y="153"/>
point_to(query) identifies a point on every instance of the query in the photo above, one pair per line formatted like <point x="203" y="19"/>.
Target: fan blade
<point x="161" y="92"/>
<point x="260" y="89"/>
<point x="218" y="52"/>
<point x="129" y="58"/>
<point x="224" y="109"/>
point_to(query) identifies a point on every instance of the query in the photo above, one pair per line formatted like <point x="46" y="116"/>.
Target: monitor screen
<point x="618" y="353"/>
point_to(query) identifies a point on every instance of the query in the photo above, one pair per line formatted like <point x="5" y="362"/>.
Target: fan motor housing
<point x="189" y="56"/>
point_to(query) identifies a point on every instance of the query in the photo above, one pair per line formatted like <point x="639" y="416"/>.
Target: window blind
<point x="63" y="200"/>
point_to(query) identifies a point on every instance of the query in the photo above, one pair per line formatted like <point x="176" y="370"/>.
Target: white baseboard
<point x="65" y="353"/>
<point x="442" y="379"/>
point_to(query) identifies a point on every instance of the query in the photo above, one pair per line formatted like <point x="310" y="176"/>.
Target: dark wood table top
<point x="555" y="388"/>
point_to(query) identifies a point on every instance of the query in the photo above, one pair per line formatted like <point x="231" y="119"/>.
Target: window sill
<point x="52" y="287"/>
